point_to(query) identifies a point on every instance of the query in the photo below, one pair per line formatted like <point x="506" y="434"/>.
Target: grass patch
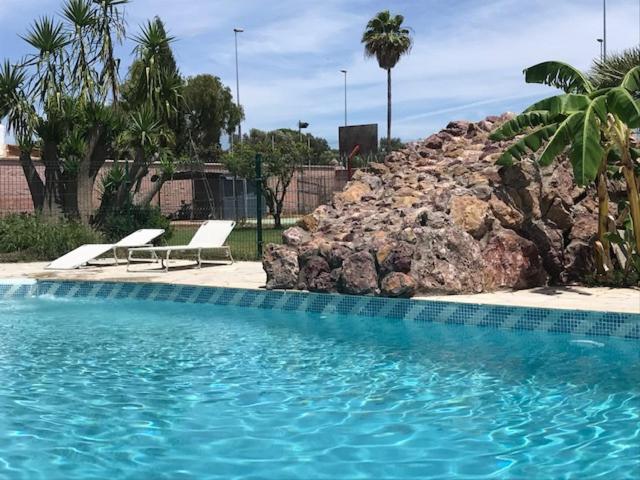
<point x="242" y="240"/>
<point x="30" y="238"/>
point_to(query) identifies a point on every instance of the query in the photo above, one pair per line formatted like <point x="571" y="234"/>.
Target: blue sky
<point x="466" y="63"/>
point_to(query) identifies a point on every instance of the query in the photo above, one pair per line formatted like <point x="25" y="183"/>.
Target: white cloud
<point x="466" y="62"/>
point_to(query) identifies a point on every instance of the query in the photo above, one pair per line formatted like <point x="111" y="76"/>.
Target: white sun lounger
<point x="84" y="254"/>
<point x="210" y="236"/>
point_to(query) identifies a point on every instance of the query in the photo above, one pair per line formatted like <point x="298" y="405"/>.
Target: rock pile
<point x="441" y="217"/>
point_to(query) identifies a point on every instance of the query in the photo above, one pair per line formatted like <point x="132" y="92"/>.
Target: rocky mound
<point x="441" y="217"/>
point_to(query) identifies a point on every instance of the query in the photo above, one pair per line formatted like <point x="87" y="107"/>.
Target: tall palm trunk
<point x="388" y="110"/>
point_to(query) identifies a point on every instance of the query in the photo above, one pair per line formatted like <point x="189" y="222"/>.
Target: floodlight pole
<point x="236" y="31"/>
<point x="604" y="30"/>
<point x="345" y="97"/>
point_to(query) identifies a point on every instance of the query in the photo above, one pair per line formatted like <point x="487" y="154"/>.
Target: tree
<point x="593" y="125"/>
<point x="65" y="98"/>
<point x="154" y="79"/>
<point x="610" y="72"/>
<point x="61" y="95"/>
<point x="109" y="30"/>
<point x="386" y="39"/>
<point x="396" y="143"/>
<point x="154" y="103"/>
<point x="317" y="147"/>
<point x="210" y="112"/>
<point x="282" y="153"/>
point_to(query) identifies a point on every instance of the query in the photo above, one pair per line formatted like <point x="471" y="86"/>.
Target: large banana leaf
<point x="560" y="139"/>
<point x="559" y="75"/>
<point x="519" y="124"/>
<point x="624" y="106"/>
<point x="527" y="144"/>
<point x="587" y="153"/>
<point x="561" y="104"/>
<point x="631" y="80"/>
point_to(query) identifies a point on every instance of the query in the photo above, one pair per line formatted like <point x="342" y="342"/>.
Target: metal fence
<point x="190" y="197"/>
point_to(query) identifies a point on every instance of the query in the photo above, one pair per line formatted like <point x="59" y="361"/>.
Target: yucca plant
<point x="592" y="125"/>
<point x="81" y="23"/>
<point x="609" y="72"/>
<point x="49" y="39"/>
<point x="109" y="29"/>
<point x="154" y="78"/>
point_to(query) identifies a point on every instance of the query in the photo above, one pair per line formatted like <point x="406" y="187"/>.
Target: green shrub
<point x="123" y="221"/>
<point x="32" y="238"/>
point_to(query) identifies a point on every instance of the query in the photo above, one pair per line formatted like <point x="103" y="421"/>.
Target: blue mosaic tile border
<point x="583" y="323"/>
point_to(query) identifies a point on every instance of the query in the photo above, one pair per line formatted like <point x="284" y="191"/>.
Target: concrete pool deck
<point x="251" y="276"/>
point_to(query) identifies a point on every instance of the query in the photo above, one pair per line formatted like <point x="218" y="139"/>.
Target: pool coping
<point x="506" y="317"/>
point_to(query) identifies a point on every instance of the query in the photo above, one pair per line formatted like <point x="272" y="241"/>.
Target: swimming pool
<point x="121" y="388"/>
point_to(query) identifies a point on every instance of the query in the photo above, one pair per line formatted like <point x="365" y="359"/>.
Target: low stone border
<point x="583" y="323"/>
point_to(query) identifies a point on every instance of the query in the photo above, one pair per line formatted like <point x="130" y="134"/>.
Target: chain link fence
<point x="190" y="196"/>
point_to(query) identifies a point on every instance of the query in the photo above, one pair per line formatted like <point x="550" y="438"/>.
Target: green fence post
<point x="259" y="203"/>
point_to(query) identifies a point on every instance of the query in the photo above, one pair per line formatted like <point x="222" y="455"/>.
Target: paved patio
<point x="250" y="275"/>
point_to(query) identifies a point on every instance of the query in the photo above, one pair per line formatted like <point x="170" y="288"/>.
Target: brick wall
<point x="309" y="188"/>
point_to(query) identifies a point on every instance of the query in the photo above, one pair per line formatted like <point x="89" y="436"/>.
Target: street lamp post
<point x="600" y="41"/>
<point x="345" y="97"/>
<point x="236" y="31"/>
<point x="302" y="125"/>
<point x="604" y="30"/>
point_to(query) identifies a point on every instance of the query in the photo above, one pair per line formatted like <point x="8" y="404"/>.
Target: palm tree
<point x="593" y="125"/>
<point x="386" y="39"/>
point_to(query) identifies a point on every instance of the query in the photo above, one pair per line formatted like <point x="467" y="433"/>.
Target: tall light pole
<point x="345" y="97"/>
<point x="604" y="30"/>
<point x="236" y="31"/>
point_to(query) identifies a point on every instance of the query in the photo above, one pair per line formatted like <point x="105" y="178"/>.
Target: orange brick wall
<point x="309" y="187"/>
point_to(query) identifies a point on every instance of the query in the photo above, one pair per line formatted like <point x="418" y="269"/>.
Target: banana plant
<point x="591" y="126"/>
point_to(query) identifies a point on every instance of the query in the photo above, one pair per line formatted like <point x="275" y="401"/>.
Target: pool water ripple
<point x="137" y="390"/>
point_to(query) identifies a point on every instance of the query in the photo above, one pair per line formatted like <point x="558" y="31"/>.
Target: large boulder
<point x="440" y="216"/>
<point x="315" y="275"/>
<point x="447" y="260"/>
<point x="359" y="275"/>
<point x="471" y="214"/>
<point x="281" y="266"/>
<point x="395" y="257"/>
<point x="398" y="284"/>
<point x="512" y="262"/>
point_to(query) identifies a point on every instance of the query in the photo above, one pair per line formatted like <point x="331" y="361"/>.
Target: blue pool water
<point x="93" y="389"/>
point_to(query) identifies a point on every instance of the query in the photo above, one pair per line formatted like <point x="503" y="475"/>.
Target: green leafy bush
<point x="31" y="238"/>
<point x="119" y="223"/>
